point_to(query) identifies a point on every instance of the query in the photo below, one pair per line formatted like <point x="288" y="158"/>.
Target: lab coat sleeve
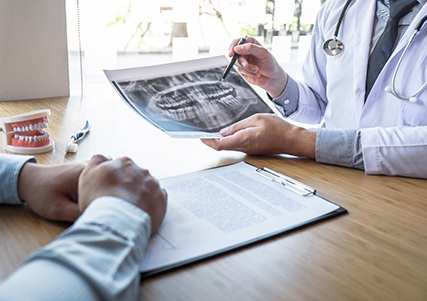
<point x="312" y="89"/>
<point x="10" y="167"/>
<point x="301" y="103"/>
<point x="95" y="259"/>
<point x="305" y="101"/>
<point x="397" y="151"/>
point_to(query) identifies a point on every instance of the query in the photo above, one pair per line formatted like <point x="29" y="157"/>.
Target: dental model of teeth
<point x="25" y="133"/>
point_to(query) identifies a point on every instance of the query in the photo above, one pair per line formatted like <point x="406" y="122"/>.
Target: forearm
<point x="95" y="259"/>
<point x="301" y="142"/>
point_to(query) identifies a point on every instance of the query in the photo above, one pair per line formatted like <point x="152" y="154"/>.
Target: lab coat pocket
<point x="415" y="113"/>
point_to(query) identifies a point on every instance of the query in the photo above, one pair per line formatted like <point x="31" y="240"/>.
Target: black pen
<point x="233" y="59"/>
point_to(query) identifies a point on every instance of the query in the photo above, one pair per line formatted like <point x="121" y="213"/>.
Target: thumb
<point x="71" y="211"/>
<point x="65" y="210"/>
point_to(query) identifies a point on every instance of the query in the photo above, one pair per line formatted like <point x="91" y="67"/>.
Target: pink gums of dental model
<point x="25" y="134"/>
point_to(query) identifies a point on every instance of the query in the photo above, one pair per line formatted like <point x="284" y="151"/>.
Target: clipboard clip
<point x="287" y="182"/>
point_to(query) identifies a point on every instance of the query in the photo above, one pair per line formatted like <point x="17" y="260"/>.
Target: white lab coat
<point x="393" y="132"/>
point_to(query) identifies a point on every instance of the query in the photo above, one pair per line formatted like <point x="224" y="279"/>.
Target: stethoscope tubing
<point x="334" y="47"/>
<point x="392" y="89"/>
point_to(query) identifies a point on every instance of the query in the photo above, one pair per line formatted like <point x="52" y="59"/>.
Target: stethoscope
<point x="334" y="47"/>
<point x="392" y="89"/>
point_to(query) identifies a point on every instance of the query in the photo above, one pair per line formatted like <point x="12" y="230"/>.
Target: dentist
<point x="370" y="121"/>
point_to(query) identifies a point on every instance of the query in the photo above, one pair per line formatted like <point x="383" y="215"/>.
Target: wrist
<point x="26" y="175"/>
<point x="278" y="85"/>
<point x="304" y="142"/>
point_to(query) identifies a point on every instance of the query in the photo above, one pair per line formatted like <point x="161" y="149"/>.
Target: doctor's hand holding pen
<point x="258" y="66"/>
<point x="263" y="133"/>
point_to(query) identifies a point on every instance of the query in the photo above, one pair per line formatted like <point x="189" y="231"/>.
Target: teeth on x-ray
<point x="195" y="99"/>
<point x="191" y="100"/>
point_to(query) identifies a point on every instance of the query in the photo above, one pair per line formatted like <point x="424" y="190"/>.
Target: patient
<point x="116" y="206"/>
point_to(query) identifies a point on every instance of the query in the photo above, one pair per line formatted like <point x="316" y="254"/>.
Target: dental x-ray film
<point x="187" y="99"/>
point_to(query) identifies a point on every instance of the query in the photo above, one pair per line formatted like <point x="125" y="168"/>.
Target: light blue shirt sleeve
<point x="97" y="258"/>
<point x="10" y="167"/>
<point x="287" y="101"/>
<point x="339" y="147"/>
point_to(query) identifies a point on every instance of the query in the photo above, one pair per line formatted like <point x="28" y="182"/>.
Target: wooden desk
<point x="376" y="252"/>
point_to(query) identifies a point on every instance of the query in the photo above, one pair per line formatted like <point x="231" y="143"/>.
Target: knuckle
<point x="126" y="160"/>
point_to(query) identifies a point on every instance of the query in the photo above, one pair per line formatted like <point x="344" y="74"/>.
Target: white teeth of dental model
<point x="31" y="127"/>
<point x="32" y="138"/>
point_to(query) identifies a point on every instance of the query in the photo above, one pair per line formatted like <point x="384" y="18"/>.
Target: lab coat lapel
<point x="362" y="18"/>
<point x="405" y="38"/>
<point x="385" y="75"/>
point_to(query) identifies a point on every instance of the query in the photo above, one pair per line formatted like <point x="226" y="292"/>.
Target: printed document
<point x="216" y="210"/>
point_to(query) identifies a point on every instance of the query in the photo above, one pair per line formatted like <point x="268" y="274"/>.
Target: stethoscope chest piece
<point x="333" y="46"/>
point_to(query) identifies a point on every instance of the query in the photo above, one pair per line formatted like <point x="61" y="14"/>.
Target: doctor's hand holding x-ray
<point x="373" y="130"/>
<point x="264" y="133"/>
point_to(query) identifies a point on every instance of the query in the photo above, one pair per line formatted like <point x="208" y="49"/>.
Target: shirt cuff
<point x="339" y="147"/>
<point x="120" y="216"/>
<point x="287" y="102"/>
<point x="10" y="167"/>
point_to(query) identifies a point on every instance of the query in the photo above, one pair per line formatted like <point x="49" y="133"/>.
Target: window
<point x="108" y="34"/>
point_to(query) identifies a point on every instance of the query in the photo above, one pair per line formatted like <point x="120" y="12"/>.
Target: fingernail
<point x="224" y="131"/>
